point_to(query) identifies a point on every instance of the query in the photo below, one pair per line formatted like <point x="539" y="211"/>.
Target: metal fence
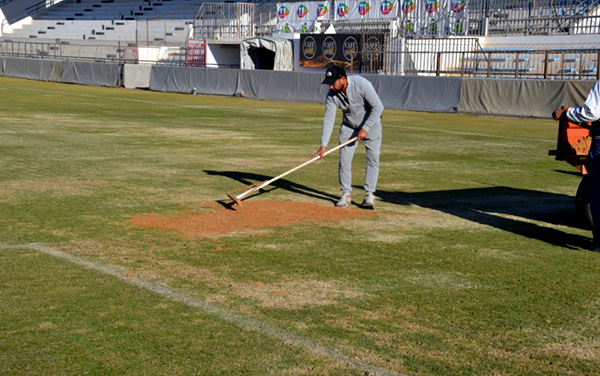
<point x="63" y="50"/>
<point x="436" y="57"/>
<point x="224" y="20"/>
<point x="571" y="63"/>
<point x="566" y="25"/>
<point x="380" y="54"/>
<point x="465" y="57"/>
<point x="161" y="32"/>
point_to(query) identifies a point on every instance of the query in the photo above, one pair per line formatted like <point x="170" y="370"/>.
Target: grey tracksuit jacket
<point x="361" y="107"/>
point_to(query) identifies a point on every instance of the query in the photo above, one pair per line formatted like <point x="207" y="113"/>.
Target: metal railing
<point x="161" y="32"/>
<point x="172" y="14"/>
<point x="567" y="25"/>
<point x="265" y="22"/>
<point x="528" y="17"/>
<point x="61" y="50"/>
<point x="435" y="56"/>
<point x="579" y="64"/>
<point x="224" y="20"/>
<point x="380" y="54"/>
<point x="465" y="57"/>
<point x="362" y="27"/>
<point x="33" y="9"/>
<point x="27" y="12"/>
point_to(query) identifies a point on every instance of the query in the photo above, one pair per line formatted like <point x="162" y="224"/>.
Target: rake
<point x="237" y="199"/>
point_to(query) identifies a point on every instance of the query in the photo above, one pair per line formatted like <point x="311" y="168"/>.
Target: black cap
<point x="332" y="74"/>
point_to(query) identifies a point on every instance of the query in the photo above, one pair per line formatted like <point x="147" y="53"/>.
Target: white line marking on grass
<point x="240" y="320"/>
<point x="437" y="130"/>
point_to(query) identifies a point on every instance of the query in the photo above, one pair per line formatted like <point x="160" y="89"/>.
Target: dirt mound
<point x="251" y="216"/>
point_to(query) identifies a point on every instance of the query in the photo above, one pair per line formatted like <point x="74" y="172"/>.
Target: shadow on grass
<point x="572" y="173"/>
<point x="505" y="208"/>
<point x="246" y="178"/>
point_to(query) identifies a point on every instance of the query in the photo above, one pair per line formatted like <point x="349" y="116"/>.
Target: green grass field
<point x="473" y="263"/>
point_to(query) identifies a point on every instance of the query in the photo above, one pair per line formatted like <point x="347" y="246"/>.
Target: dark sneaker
<point x="344" y="201"/>
<point x="369" y="201"/>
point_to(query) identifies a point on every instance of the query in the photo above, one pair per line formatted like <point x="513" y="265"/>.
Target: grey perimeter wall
<point x="483" y="96"/>
<point x="72" y="72"/>
<point x="399" y="92"/>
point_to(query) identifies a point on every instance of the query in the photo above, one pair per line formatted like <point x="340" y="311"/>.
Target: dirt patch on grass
<point x="252" y="216"/>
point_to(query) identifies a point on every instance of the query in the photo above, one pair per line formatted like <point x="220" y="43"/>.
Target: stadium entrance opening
<point x="262" y="58"/>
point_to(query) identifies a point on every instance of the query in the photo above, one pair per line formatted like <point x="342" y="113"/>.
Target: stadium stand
<point x="110" y="20"/>
<point x="130" y="10"/>
<point x="504" y="38"/>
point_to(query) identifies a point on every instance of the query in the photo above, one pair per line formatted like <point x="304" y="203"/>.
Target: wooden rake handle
<point x="265" y="183"/>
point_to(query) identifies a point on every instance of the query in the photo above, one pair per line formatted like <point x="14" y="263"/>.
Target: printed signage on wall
<point x="321" y="50"/>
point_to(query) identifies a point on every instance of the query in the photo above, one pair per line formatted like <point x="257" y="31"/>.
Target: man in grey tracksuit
<point x="362" y="110"/>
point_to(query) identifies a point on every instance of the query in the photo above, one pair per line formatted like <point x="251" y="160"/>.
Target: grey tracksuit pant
<point x="372" y="145"/>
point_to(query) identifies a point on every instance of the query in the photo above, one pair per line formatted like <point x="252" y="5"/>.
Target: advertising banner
<point x="458" y="17"/>
<point x="434" y="12"/>
<point x="433" y="17"/>
<point x="321" y="50"/>
<point x="416" y="17"/>
<point x="365" y="9"/>
<point x="300" y="17"/>
<point x="409" y="17"/>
